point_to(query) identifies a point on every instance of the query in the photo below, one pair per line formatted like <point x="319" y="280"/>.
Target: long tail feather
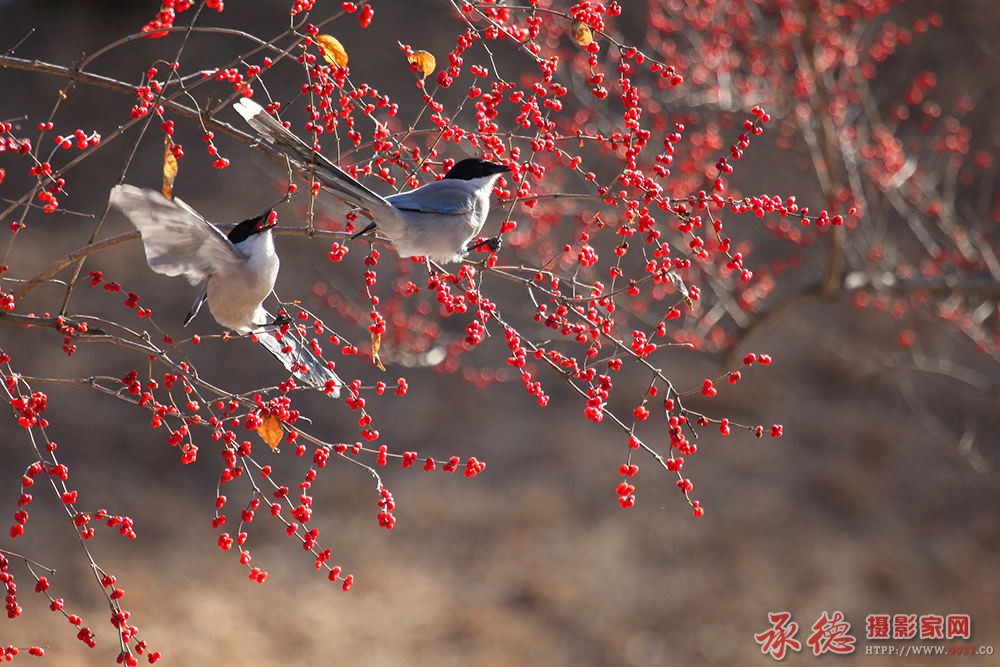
<point x="306" y="159"/>
<point x="300" y="360"/>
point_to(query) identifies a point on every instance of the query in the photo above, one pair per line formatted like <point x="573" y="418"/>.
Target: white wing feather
<point x="178" y="241"/>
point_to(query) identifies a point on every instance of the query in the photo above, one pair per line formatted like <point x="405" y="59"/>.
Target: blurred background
<point x="867" y="505"/>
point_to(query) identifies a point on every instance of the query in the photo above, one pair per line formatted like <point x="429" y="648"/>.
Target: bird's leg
<point x="494" y="243"/>
<point x="368" y="228"/>
<point x="280" y="320"/>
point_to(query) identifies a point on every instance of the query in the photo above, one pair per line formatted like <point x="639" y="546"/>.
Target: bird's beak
<point x="267" y="220"/>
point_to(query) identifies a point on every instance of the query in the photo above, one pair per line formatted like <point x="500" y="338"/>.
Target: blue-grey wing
<point x="444" y="197"/>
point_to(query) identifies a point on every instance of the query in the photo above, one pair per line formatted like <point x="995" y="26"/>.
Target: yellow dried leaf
<point x="424" y="61"/>
<point x="170" y="167"/>
<point x="333" y="50"/>
<point x="376" y="344"/>
<point x="582" y="34"/>
<point x="270" y="431"/>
